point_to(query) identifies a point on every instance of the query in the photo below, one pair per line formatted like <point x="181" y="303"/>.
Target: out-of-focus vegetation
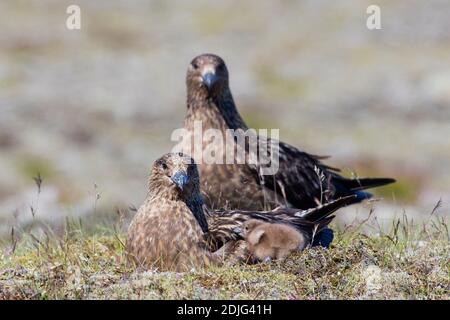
<point x="98" y="105"/>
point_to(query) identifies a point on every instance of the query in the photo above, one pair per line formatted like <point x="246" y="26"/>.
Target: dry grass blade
<point x="436" y="207"/>
<point x="38" y="181"/>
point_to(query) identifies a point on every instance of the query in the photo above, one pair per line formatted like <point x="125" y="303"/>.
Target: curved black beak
<point x="209" y="79"/>
<point x="181" y="179"/>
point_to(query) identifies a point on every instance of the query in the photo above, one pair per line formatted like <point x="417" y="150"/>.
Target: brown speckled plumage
<point x="165" y="232"/>
<point x="238" y="186"/>
<point x="173" y="229"/>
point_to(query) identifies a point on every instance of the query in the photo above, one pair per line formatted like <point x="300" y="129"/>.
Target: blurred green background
<point x="91" y="109"/>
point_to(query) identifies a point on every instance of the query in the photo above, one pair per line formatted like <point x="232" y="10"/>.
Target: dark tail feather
<point x="323" y="211"/>
<point x="362" y="195"/>
<point x="366" y="183"/>
<point x="324" y="235"/>
<point x="322" y="217"/>
<point x="323" y="238"/>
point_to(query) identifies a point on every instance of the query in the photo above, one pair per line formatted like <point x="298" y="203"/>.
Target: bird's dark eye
<point x="195" y="65"/>
<point x="221" y="67"/>
<point x="164" y="166"/>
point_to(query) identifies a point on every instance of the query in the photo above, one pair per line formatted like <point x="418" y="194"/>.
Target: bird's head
<point x="207" y="74"/>
<point x="247" y="227"/>
<point x="177" y="174"/>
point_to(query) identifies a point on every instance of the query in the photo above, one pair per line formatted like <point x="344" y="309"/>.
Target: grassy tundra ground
<point x="410" y="262"/>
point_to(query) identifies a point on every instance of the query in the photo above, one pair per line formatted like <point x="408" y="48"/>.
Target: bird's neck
<point x="215" y="112"/>
<point x="193" y="204"/>
<point x="157" y="190"/>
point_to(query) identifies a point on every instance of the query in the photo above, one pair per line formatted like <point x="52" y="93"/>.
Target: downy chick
<point x="267" y="241"/>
